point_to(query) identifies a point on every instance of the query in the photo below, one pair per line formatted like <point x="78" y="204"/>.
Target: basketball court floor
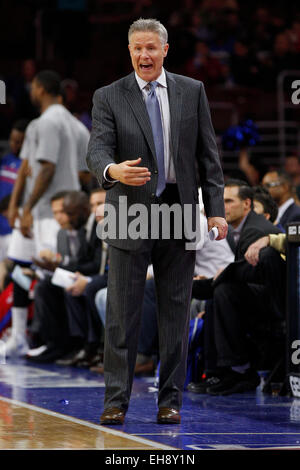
<point x="52" y="407"/>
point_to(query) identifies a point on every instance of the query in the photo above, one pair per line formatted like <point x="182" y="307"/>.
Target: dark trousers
<point x="50" y="315"/>
<point x="250" y="306"/>
<point x="83" y="318"/>
<point x="148" y="339"/>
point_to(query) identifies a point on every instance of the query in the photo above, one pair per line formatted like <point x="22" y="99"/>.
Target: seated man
<point x="83" y="318"/>
<point x="77" y="250"/>
<point x="247" y="226"/>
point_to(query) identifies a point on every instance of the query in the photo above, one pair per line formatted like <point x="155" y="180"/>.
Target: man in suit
<point x="280" y="187"/>
<point x="245" y="300"/>
<point x="231" y="288"/>
<point x="150" y="129"/>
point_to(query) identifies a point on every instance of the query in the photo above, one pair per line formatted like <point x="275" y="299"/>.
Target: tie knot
<point x="151" y="87"/>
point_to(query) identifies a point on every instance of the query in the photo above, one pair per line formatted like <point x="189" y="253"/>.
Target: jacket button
<point x="155" y="172"/>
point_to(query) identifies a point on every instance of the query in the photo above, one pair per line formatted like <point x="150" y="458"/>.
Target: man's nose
<point x="144" y="53"/>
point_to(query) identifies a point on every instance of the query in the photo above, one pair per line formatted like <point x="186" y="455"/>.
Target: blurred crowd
<point x="227" y="44"/>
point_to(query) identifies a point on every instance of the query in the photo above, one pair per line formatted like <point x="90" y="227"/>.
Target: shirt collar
<point x="237" y="231"/>
<point x="283" y="207"/>
<point x="162" y="80"/>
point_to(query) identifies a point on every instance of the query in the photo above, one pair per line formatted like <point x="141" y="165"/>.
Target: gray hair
<point x="149" y="25"/>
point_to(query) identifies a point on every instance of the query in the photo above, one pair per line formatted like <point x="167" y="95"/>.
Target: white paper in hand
<point x="213" y="233"/>
<point x="63" y="278"/>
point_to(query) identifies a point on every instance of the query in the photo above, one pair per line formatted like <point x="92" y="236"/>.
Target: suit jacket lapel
<point x="135" y="99"/>
<point x="175" y="102"/>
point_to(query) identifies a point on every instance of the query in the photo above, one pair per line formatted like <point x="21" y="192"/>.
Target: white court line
<point x="218" y="433"/>
<point x="113" y="432"/>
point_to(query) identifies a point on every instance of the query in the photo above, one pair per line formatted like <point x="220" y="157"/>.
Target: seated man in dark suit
<point x="246" y="227"/>
<point x="279" y="185"/>
<point x="78" y="249"/>
<point x="82" y="313"/>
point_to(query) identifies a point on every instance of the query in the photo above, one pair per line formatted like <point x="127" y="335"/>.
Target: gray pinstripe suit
<point x="122" y="131"/>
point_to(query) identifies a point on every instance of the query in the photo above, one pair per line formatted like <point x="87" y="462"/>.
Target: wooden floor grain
<point x="26" y="427"/>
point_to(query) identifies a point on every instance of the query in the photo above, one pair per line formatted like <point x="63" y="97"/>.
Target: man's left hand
<point x="220" y="223"/>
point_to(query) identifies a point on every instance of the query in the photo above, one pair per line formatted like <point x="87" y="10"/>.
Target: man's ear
<point x="247" y="203"/>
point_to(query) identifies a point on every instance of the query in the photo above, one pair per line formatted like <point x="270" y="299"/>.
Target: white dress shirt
<point x="163" y="99"/>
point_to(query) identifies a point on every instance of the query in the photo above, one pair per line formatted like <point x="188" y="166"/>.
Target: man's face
<point x="147" y="54"/>
<point x="77" y="215"/>
<point x="97" y="201"/>
<point x="273" y="184"/>
<point x="15" y="141"/>
<point x="59" y="213"/>
<point x="235" y="208"/>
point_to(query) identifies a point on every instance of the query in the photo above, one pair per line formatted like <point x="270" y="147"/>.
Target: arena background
<point x="246" y="53"/>
<point x="248" y="56"/>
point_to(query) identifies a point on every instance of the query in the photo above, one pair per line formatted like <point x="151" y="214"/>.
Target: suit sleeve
<point x="102" y="145"/>
<point x="211" y="173"/>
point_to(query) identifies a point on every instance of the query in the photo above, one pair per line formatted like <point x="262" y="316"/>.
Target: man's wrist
<point x="107" y="174"/>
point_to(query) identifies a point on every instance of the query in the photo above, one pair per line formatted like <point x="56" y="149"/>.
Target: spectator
<point x="203" y="66"/>
<point x="292" y="168"/>
<point x="280" y="187"/>
<point x="21" y="90"/>
<point x="243" y="65"/>
<point x="264" y="204"/>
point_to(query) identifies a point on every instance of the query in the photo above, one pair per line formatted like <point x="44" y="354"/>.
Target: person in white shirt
<point x="49" y="165"/>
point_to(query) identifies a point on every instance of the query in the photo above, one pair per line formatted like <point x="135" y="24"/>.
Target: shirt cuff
<point x="109" y="180"/>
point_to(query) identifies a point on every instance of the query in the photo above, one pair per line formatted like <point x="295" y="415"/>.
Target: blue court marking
<point x="251" y="420"/>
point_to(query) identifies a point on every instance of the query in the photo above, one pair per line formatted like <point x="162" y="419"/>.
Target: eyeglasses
<point x="272" y="184"/>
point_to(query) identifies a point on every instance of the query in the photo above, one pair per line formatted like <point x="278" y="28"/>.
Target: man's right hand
<point x="252" y="253"/>
<point x="129" y="173"/>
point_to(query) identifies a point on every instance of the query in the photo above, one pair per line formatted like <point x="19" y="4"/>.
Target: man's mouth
<point x="146" y="66"/>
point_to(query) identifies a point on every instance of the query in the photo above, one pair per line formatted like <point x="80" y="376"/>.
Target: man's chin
<point x="148" y="75"/>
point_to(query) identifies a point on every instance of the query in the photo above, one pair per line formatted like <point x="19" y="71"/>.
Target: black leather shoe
<point x="112" y="416"/>
<point x="234" y="382"/>
<point x="201" y="387"/>
<point x="168" y="416"/>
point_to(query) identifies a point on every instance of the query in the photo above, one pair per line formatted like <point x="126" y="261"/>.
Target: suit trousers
<point x="173" y="267"/>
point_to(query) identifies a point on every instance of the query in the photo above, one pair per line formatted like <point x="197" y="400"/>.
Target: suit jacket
<point x="292" y="214"/>
<point x="88" y="259"/>
<point x="255" y="227"/>
<point x="122" y="131"/>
